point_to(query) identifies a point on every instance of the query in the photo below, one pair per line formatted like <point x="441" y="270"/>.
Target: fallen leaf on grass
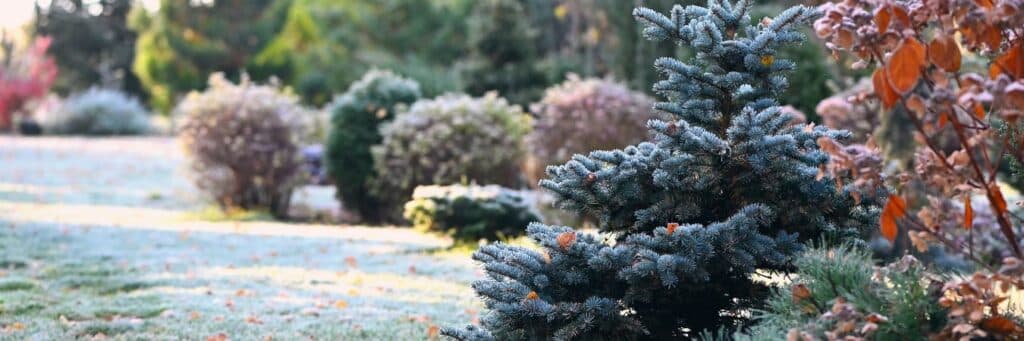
<point x="433" y="331"/>
<point x="217" y="337"/>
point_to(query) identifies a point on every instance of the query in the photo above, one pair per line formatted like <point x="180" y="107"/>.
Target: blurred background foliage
<point x="318" y="47"/>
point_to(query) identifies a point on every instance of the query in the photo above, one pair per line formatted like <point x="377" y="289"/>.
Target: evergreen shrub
<point x="356" y="117"/>
<point x="470" y="213"/>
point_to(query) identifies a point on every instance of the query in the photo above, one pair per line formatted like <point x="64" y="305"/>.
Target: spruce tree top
<point x="729" y="147"/>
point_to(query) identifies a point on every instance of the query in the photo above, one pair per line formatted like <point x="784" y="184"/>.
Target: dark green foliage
<point x="356" y="117"/>
<point x="470" y="213"/>
<point x="503" y="56"/>
<point x="185" y="41"/>
<point x="1012" y="169"/>
<point x="839" y="279"/>
<point x="728" y="187"/>
<point x="324" y="45"/>
<point x="91" y="48"/>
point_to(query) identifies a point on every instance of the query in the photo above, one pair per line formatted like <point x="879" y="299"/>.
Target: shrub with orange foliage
<point x="918" y="49"/>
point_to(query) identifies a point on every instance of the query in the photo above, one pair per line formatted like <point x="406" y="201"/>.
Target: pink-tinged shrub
<point x="242" y="142"/>
<point x="581" y="115"/>
<point x="24" y="77"/>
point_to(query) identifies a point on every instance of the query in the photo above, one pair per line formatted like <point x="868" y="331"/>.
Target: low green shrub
<point x="97" y="112"/>
<point x="470" y="213"/>
<point x="839" y="293"/>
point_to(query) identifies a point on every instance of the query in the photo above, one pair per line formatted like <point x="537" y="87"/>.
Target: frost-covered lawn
<point x="98" y="238"/>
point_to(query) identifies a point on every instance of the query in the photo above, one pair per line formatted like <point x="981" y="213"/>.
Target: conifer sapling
<point x="730" y="186"/>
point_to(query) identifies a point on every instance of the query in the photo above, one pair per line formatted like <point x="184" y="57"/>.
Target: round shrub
<point x="447" y="140"/>
<point x="355" y="119"/>
<point x="470" y="213"/>
<point x="97" y="112"/>
<point x="582" y="115"/>
<point x="242" y="144"/>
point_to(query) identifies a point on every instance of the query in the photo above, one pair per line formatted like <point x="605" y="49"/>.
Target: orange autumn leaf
<point x="532" y="296"/>
<point x="992" y="37"/>
<point x="1000" y="325"/>
<point x="672" y="228"/>
<point x="945" y="53"/>
<point x="800" y="293"/>
<point x="943" y="119"/>
<point x="901" y="16"/>
<point x="883" y="90"/>
<point x="968" y="213"/>
<point x="566" y="239"/>
<point x="979" y="111"/>
<point x="904" y="67"/>
<point x="882" y="18"/>
<point x="997" y="198"/>
<point x="217" y="337"/>
<point x="1010" y="63"/>
<point x="433" y="331"/>
<point x="895" y="208"/>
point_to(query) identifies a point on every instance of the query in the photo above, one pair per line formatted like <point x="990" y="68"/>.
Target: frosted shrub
<point x="450" y="139"/>
<point x="242" y="144"/>
<point x="470" y="213"/>
<point x="97" y="112"/>
<point x="582" y="115"/>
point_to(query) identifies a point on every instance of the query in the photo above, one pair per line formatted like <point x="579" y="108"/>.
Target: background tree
<point x="186" y="41"/>
<point x="92" y="44"/>
<point x="325" y="45"/>
<point x="502" y="53"/>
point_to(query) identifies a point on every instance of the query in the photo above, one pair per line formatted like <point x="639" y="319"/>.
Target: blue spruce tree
<point x="731" y="186"/>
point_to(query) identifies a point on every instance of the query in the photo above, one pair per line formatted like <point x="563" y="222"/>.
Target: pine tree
<point x="730" y="186"/>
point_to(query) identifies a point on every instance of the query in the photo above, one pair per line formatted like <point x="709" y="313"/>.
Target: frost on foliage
<point x="581" y="115"/>
<point x="470" y="213"/>
<point x="448" y="140"/>
<point x="731" y="184"/>
<point x="97" y="112"/>
<point x="242" y="142"/>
